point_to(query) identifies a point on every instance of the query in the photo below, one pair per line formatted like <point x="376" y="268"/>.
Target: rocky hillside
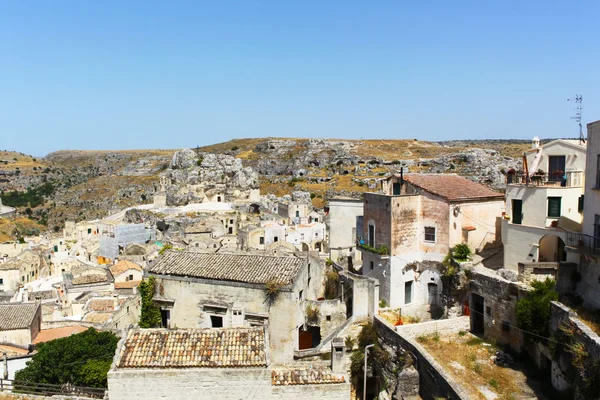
<point x="78" y="185"/>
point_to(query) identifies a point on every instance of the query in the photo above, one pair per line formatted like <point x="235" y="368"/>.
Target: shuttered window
<point x="554" y="207"/>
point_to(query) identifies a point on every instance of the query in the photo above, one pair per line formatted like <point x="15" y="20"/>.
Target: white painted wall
<point x="535" y="203"/>
<point x="342" y="226"/>
<point x="592" y="195"/>
<point x="574" y="152"/>
<point x="14" y="365"/>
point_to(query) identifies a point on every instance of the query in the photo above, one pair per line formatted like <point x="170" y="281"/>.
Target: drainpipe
<point x="365" y="371"/>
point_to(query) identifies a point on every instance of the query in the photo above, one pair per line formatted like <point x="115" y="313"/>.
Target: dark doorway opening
<point x="165" y="316"/>
<point x="216" y="321"/>
<point x="309" y="338"/>
<point x="517" y="211"/>
<point x="477" y="309"/>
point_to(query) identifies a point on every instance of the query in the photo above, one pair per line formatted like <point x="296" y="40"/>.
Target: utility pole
<point x="365" y="371"/>
<point x="5" y="362"/>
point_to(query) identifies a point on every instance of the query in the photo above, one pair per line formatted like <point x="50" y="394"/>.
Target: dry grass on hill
<point x="467" y="359"/>
<point x="10" y="228"/>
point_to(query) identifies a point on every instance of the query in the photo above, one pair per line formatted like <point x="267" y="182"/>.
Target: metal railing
<point x="583" y="243"/>
<point x="568" y="179"/>
<point x="44" y="389"/>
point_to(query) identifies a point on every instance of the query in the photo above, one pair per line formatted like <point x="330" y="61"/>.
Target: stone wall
<point x="445" y="326"/>
<point x="499" y="316"/>
<point x="214" y="383"/>
<point x="589" y="285"/>
<point x="434" y="381"/>
<point x="564" y="369"/>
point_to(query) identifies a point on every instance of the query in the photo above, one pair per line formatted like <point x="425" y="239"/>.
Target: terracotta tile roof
<point x="90" y="278"/>
<point x="452" y="187"/>
<point x="123" y="266"/>
<point x="102" y="304"/>
<point x="194" y="348"/>
<point x="9" y="265"/>
<point x="47" y="335"/>
<point x="97" y="317"/>
<point x="17" y="315"/>
<point x="127" y="285"/>
<point x="12" y="351"/>
<point x="288" y="377"/>
<point x="250" y="268"/>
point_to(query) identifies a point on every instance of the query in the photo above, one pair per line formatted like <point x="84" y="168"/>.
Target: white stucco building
<point x="345" y="221"/>
<point x="545" y="204"/>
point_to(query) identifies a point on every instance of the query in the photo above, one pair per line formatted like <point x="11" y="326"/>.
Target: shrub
<point x="272" y="289"/>
<point x="150" y="314"/>
<point x="533" y="311"/>
<point x="382" y="303"/>
<point x="235" y="148"/>
<point x="349" y="342"/>
<point x="332" y="281"/>
<point x="312" y="314"/>
<point x="165" y="247"/>
<point x="82" y="359"/>
<point x="461" y="252"/>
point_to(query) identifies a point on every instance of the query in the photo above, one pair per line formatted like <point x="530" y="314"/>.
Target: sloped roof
<point x="194" y="348"/>
<point x="17" y="315"/>
<point x="452" y="187"/>
<point x="306" y="376"/>
<point x="47" y="335"/>
<point x="249" y="268"/>
<point x="123" y="266"/>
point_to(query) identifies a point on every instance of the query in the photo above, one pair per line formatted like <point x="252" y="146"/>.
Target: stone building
<point x="228" y="363"/>
<point x="410" y="226"/>
<point x="19" y="323"/>
<point x="345" y="221"/>
<point x="586" y="244"/>
<point x="200" y="290"/>
<point x="126" y="274"/>
<point x="543" y="206"/>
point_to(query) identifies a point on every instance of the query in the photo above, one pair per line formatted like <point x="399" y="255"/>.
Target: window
<point x="556" y="168"/>
<point x="580" y="203"/>
<point x="261" y="240"/>
<point x="89" y="231"/>
<point x="316" y="234"/>
<point x="517" y="211"/>
<point x="1" y="281"/>
<point x="127" y="309"/>
<point x="131" y="277"/>
<point x="219" y="200"/>
<point x="300" y="295"/>
<point x="328" y="317"/>
<point x="371" y="264"/>
<point x="231" y="221"/>
<point x="276" y="239"/>
<point x="230" y="230"/>
<point x="430" y="234"/>
<point x="408" y="292"/>
<point x="297" y="214"/>
<point x="302" y="236"/>
<point x="554" y="207"/>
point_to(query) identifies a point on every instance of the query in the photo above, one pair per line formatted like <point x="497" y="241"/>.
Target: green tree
<point x="533" y="311"/>
<point x="150" y="316"/>
<point x="82" y="359"/>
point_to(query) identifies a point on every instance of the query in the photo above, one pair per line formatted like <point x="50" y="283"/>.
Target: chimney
<point x="535" y="143"/>
<point x="337" y="355"/>
<point x="115" y="301"/>
<point x="25" y="297"/>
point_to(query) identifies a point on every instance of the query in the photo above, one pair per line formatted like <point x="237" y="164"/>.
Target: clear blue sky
<point x="144" y="74"/>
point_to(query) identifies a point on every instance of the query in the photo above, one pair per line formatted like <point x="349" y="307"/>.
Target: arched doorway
<point x="551" y="249"/>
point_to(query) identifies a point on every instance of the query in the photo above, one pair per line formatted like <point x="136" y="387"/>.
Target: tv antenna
<point x="578" y="99"/>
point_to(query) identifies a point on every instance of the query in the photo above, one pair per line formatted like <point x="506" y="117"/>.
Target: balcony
<point x="583" y="244"/>
<point x="569" y="179"/>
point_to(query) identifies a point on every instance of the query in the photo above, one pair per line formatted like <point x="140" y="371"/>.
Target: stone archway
<point x="551" y="249"/>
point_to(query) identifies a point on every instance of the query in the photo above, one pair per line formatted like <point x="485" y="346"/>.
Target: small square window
<point x="430" y="234"/>
<point x="261" y="240"/>
<point x="276" y="239"/>
<point x="1" y="281"/>
<point x="328" y="318"/>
